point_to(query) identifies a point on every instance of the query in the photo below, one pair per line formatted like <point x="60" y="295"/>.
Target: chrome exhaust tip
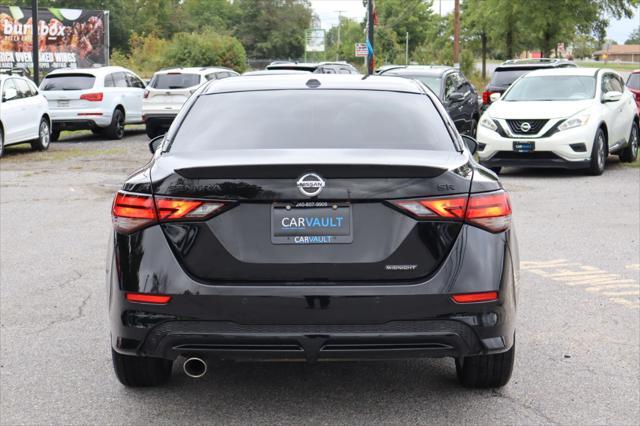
<point x="195" y="367"/>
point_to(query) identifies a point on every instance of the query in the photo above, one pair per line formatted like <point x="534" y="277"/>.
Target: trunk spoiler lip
<point x="291" y="163"/>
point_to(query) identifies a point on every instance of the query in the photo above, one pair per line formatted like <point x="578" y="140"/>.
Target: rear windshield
<point x="634" y="81"/>
<point x="68" y="82"/>
<point x="283" y="119"/>
<point x="552" y="88"/>
<point x="506" y="77"/>
<point x="174" y="81"/>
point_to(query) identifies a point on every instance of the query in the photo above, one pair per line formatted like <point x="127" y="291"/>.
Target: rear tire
<point x="44" y="136"/>
<point x="486" y="371"/>
<point x="115" y="130"/>
<point x="138" y="371"/>
<point x="630" y="153"/>
<point x="598" y="154"/>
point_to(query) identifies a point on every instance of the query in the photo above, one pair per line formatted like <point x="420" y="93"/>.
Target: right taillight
<point x="131" y="212"/>
<point x="486" y="97"/>
<point x="491" y="211"/>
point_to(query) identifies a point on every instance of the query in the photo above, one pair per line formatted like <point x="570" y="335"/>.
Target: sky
<point x="618" y="30"/>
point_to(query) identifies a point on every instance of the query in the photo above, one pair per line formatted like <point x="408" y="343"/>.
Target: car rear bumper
<point x="316" y="321"/>
<point x="396" y="339"/>
<point x="68" y="118"/>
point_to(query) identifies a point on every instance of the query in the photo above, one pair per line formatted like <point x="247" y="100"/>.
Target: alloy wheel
<point x="45" y="137"/>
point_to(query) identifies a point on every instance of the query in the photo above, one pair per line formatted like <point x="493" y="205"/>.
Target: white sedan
<point x="571" y="118"/>
<point x="24" y="113"/>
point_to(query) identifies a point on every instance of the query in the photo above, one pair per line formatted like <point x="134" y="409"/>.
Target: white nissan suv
<point x="102" y="99"/>
<point x="24" y="114"/>
<point x="169" y="89"/>
<point x="570" y="118"/>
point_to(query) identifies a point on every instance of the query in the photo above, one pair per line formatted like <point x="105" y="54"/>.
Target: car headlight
<point x="578" y="120"/>
<point x="488" y="123"/>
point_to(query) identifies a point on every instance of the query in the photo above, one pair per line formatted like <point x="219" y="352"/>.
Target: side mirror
<point x="456" y="97"/>
<point x="10" y="94"/>
<point x="155" y="143"/>
<point x="471" y="143"/>
<point x="495" y="97"/>
<point x="613" y="96"/>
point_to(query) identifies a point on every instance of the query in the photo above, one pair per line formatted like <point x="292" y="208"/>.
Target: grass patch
<point x="612" y="65"/>
<point x="478" y="82"/>
<point x="635" y="164"/>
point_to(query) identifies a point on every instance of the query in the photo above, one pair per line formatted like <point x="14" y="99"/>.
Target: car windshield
<point x="284" y="119"/>
<point x="553" y="88"/>
<point x="68" y="82"/>
<point x="432" y="82"/>
<point x="634" y="81"/>
<point x="502" y="77"/>
<point x="174" y="81"/>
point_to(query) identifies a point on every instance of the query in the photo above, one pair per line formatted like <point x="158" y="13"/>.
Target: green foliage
<point x="351" y="32"/>
<point x="467" y="62"/>
<point x="634" y="37"/>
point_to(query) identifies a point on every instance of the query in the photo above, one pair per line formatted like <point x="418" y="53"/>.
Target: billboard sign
<point x="315" y="40"/>
<point x="68" y="38"/>
<point x="361" y="50"/>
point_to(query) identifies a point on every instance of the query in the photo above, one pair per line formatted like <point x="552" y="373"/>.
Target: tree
<point x="406" y="16"/>
<point x="634" y="37"/>
<point x="351" y="32"/>
<point x="273" y="29"/>
<point x="477" y="21"/>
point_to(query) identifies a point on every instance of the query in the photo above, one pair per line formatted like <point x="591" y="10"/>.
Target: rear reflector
<point x="491" y="211"/>
<point x="134" y="211"/>
<point x="92" y="97"/>
<point x="156" y="299"/>
<point x="488" y="296"/>
<point x="82" y="114"/>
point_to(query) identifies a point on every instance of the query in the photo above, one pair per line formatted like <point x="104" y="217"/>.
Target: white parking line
<point x="614" y="287"/>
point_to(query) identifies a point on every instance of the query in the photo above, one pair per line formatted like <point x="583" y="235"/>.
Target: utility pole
<point x="35" y="42"/>
<point x="456" y="34"/>
<point x="370" y="36"/>
<point x="339" y="12"/>
<point x="406" y="48"/>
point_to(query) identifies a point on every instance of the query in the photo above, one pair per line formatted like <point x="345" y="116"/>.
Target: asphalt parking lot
<point x="578" y="354"/>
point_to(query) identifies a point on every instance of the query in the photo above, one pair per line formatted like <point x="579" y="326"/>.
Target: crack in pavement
<point x="79" y="314"/>
<point x="535" y="411"/>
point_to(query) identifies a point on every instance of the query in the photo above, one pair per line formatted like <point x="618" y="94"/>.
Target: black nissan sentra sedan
<point x="314" y="218"/>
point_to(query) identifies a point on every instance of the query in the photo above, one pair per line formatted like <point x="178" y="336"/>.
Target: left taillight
<point x="491" y="211"/>
<point x="131" y="212"/>
<point x="93" y="97"/>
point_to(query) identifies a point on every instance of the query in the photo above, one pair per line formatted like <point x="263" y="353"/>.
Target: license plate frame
<point x="524" y="146"/>
<point x="308" y="223"/>
<point x="63" y="103"/>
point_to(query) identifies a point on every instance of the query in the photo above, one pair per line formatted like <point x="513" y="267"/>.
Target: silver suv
<point x="169" y="89"/>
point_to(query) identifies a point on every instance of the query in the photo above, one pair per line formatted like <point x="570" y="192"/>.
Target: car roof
<point x="98" y="71"/>
<point x="305" y="81"/>
<point x="193" y="70"/>
<point x="534" y="64"/>
<point x="275" y="72"/>
<point x="431" y="70"/>
<point x="565" y="71"/>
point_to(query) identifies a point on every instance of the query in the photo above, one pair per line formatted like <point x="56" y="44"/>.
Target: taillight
<point x="156" y="299"/>
<point x="487" y="296"/>
<point x="92" y="97"/>
<point x="491" y="211"/>
<point x="637" y="96"/>
<point x="486" y="97"/>
<point x="146" y="93"/>
<point x="135" y="211"/>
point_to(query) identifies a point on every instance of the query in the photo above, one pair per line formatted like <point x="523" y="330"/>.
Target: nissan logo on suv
<point x="310" y="184"/>
<point x="525" y="127"/>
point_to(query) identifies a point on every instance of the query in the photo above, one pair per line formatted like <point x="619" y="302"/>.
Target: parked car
<point x="570" y="118"/>
<point x="323" y="217"/>
<point x="505" y="74"/>
<point x="169" y="89"/>
<point x="317" y="68"/>
<point x="102" y="100"/>
<point x="452" y="88"/>
<point x="633" y="83"/>
<point x="24" y="113"/>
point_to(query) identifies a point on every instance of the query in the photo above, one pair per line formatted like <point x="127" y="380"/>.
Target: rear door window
<point x="634" y="81"/>
<point x="120" y="79"/>
<point x="68" y="82"/>
<point x="174" y="81"/>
